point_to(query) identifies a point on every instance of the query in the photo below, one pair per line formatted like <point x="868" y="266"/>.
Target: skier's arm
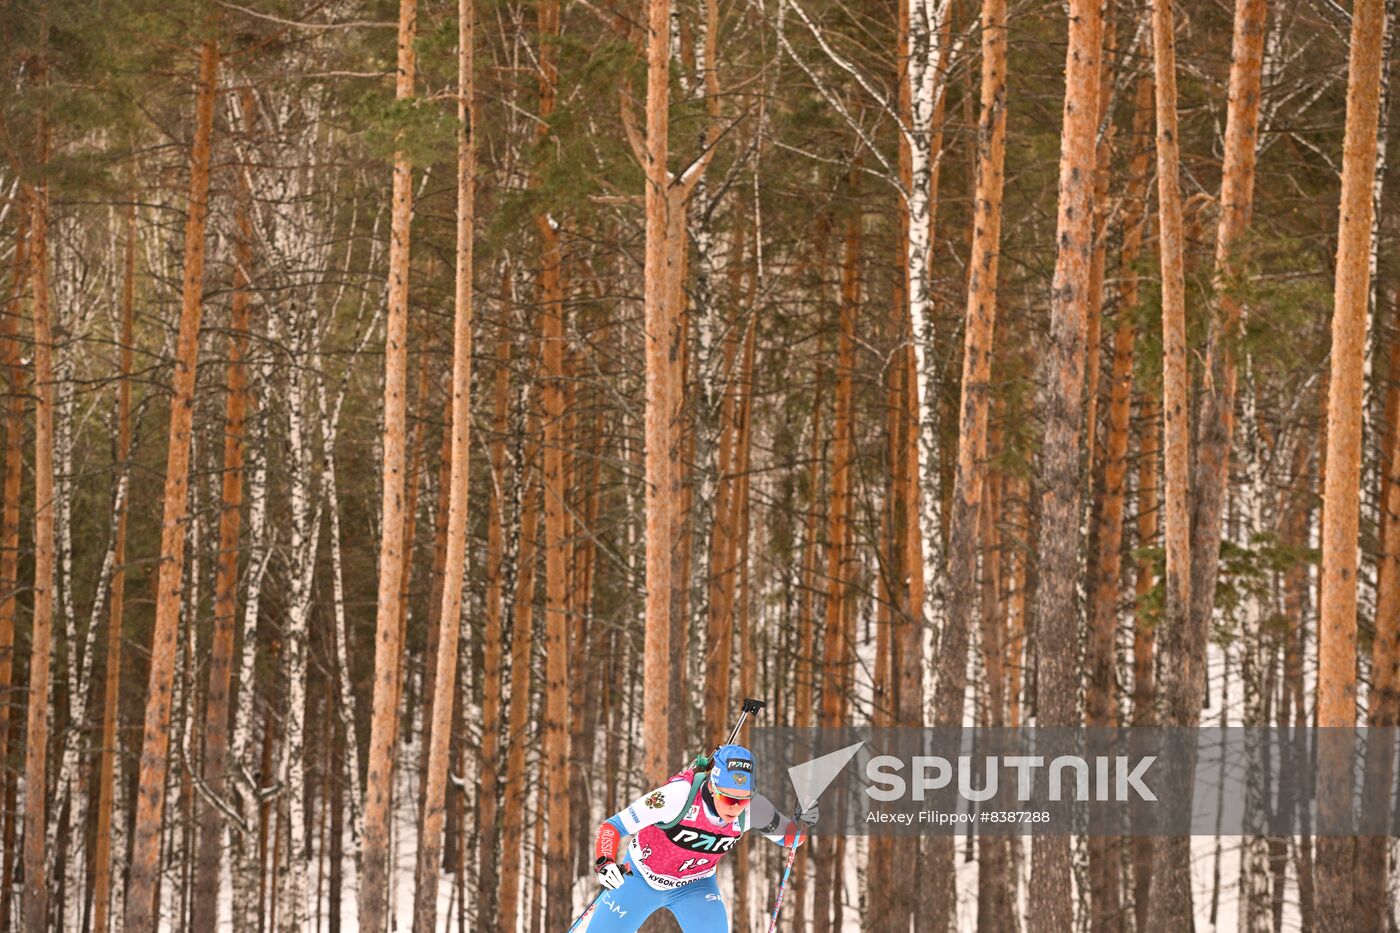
<point x="764" y="817"/>
<point x="660" y="805"/>
<point x="657" y="806"/>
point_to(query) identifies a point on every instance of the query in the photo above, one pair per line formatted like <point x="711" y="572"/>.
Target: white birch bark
<point x="346" y="698"/>
<point x="244" y="874"/>
<point x="305" y="522"/>
<point x="183" y="857"/>
<point x="925" y="26"/>
<point x="75" y="305"/>
<point x="1255" y="913"/>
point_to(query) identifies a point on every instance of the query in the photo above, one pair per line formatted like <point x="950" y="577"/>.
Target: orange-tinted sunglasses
<point x="729" y="801"/>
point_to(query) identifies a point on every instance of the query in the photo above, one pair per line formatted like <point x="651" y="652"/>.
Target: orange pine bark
<point x="388" y="639"/>
<point x="663" y="394"/>
<point x="1217" y="405"/>
<point x="10" y="354"/>
<point x="1057" y="671"/>
<point x="1336" y="675"/>
<point x="966" y="500"/>
<point x="9" y="553"/>
<point x="838" y="610"/>
<point x="719" y="639"/>
<point x="449" y="619"/>
<point x="556" y="709"/>
<point x="141" y="915"/>
<point x="1182" y="681"/>
<point x="216" y="717"/>
<point x="35" y="894"/>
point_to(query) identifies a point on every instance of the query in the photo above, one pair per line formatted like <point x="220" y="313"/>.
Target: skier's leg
<point x="699" y="908"/>
<point x="623" y="910"/>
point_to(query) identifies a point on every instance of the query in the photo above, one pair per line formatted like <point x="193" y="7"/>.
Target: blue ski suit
<point x="696" y="903"/>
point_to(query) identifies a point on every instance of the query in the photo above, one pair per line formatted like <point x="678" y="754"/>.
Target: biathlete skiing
<point x="678" y="834"/>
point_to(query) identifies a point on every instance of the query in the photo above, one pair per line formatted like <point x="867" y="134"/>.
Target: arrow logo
<point x="811" y="778"/>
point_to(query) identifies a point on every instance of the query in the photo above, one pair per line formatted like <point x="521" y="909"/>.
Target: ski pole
<point x="782" y="886"/>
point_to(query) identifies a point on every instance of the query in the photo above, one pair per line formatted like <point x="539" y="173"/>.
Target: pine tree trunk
<point x="719" y="639"/>
<point x="1135" y="223"/>
<point x="388" y="646"/>
<point x="1216" y="425"/>
<point x="1103" y="155"/>
<point x="1336" y="676"/>
<point x="150" y="807"/>
<point x="978" y="335"/>
<point x="838" y="557"/>
<point x="996" y="902"/>
<point x="837" y="683"/>
<point x="1217" y="405"/>
<point x="1057" y="613"/>
<point x="11" y="354"/>
<point x="1103" y="611"/>
<point x="556" y="766"/>
<point x="748" y="662"/>
<point x="35" y="892"/>
<point x="1183" y="648"/>
<point x="663" y="394"/>
<point x="216" y="716"/>
<point x="449" y="620"/>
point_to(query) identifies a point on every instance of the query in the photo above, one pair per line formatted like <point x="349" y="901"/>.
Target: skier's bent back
<point x="679" y="833"/>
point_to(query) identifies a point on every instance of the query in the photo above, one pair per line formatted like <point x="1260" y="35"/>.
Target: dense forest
<point x="424" y="421"/>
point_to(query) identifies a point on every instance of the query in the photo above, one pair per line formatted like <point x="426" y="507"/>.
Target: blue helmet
<point x="732" y="770"/>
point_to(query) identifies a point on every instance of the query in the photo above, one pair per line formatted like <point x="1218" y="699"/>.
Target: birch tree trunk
<point x="304" y="518"/>
<point x="1057" y="615"/>
<point x="450" y="619"/>
<point x="106" y="777"/>
<point x="1256" y="909"/>
<point x="521" y="659"/>
<point x="1336" y="676"/>
<point x="150" y="808"/>
<point x="245" y="857"/>
<point x="924" y="28"/>
<point x="1372" y="856"/>
<point x="374" y="879"/>
<point x="492" y="687"/>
